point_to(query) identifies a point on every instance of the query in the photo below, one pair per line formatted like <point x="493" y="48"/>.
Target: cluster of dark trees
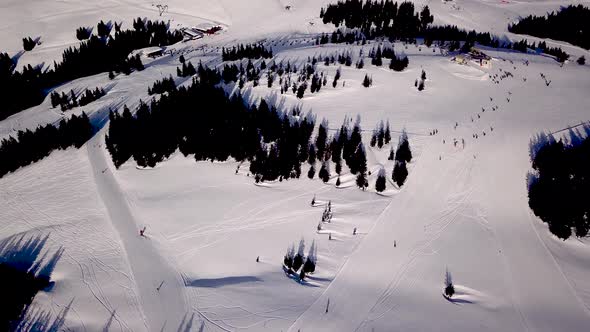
<point x="203" y="121"/>
<point x="396" y="63"/>
<point x="345" y="145"/>
<point x="452" y="34"/>
<point x="29" y="44"/>
<point x="160" y="86"/>
<point x="69" y="101"/>
<point x="29" y="87"/>
<point x="29" y="146"/>
<point x="381" y="135"/>
<point x="420" y="83"/>
<point x="560" y="187"/>
<point x="250" y="51"/>
<point x="83" y="33"/>
<point x="186" y="70"/>
<point x="375" y="18"/>
<point x="570" y="24"/>
<point x="293" y="262"/>
<point x="403" y="155"/>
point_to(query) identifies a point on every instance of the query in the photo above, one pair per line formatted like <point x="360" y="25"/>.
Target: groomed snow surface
<point x="463" y="207"/>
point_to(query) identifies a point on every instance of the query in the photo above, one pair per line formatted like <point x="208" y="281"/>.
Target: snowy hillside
<point x="211" y="258"/>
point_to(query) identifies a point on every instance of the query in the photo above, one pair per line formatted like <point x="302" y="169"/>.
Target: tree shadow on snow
<point x="220" y="282"/>
<point x="457" y="301"/>
<point x="25" y="270"/>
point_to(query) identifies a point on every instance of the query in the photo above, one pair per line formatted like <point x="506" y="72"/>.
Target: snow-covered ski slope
<point x="462" y="208"/>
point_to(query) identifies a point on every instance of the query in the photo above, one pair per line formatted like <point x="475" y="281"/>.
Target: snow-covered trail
<point x="163" y="309"/>
<point x="531" y="290"/>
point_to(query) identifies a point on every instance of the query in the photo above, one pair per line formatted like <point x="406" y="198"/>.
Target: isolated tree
<point x="391" y="154"/>
<point x="449" y="288"/>
<point x="423" y="76"/>
<point x="581" y="60"/>
<point x="338" y="182"/>
<point x="421" y="85"/>
<point x="367" y="81"/>
<point x="380" y="183"/>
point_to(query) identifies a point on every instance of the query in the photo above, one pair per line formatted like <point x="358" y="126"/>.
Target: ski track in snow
<point x="160" y="308"/>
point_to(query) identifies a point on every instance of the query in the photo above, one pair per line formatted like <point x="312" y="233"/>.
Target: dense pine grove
<point x="203" y="121"/>
<point x="367" y="20"/>
<point x="165" y="85"/>
<point x="454" y="34"/>
<point x="560" y="186"/>
<point x="102" y="53"/>
<point x="378" y="18"/>
<point x="249" y="51"/>
<point x="31" y="146"/>
<point x="570" y="24"/>
<point x="69" y="101"/>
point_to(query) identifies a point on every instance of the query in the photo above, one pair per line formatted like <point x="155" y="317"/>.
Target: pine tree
<point x="391" y="154"/>
<point x="387" y="137"/>
<point x="338" y="182"/>
<point x="400" y="172"/>
<point x="367" y="81"/>
<point x="324" y="173"/>
<point x="311" y="172"/>
<point x="298" y="259"/>
<point x="288" y="260"/>
<point x="449" y="288"/>
<point x="361" y="180"/>
<point x="403" y="152"/>
<point x="380" y="183"/>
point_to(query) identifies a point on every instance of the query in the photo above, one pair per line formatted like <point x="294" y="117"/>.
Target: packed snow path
<point x="382" y="287"/>
<point x="159" y="284"/>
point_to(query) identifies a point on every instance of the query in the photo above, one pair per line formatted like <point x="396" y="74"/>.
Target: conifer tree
<point x="380" y="183"/>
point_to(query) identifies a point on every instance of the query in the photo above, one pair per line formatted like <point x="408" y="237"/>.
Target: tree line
<point x="249" y="51"/>
<point x="203" y="121"/>
<point x="71" y="100"/>
<point x="373" y="19"/>
<point x="559" y="186"/>
<point x="99" y="53"/>
<point x="570" y="24"/>
<point x="27" y="146"/>
<point x="378" y="18"/>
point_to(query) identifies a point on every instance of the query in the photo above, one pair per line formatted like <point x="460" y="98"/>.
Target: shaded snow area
<point x="463" y="207"/>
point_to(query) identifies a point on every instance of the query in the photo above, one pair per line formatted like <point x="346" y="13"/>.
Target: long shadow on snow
<point x="24" y="273"/>
<point x="220" y="282"/>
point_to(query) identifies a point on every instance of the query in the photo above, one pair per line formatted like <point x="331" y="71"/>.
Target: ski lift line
<point x="393" y="131"/>
<point x="570" y="127"/>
